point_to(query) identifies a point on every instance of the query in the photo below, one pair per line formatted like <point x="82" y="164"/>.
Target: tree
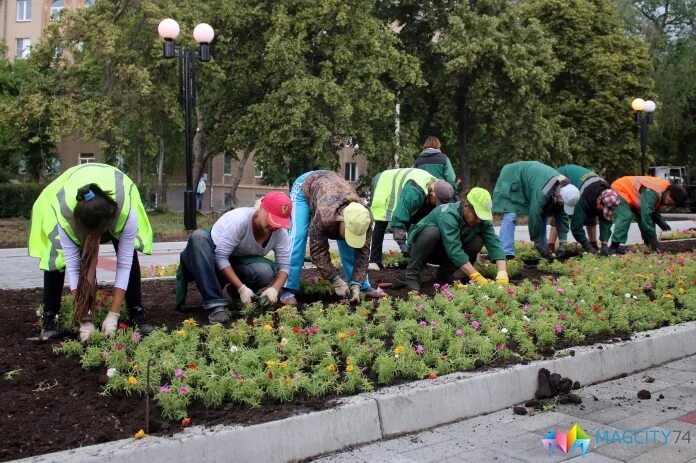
<point x="603" y="70"/>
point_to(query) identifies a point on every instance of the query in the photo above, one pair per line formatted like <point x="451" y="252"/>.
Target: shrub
<point x="17" y="199"/>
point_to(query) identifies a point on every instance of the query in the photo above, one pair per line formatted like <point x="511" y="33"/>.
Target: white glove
<point x="340" y="287"/>
<point x="355" y="294"/>
<point x="109" y="324"/>
<point x="271" y="294"/>
<point x="373" y="266"/>
<point x="86" y="330"/>
<point x="246" y="295"/>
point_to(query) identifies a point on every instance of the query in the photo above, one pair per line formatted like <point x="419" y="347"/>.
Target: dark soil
<point x="50" y="403"/>
<point x="676" y="246"/>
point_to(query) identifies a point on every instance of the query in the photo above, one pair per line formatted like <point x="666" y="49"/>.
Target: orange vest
<point x="629" y="188"/>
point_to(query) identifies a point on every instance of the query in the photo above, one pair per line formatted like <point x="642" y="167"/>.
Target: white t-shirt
<point x="233" y="236"/>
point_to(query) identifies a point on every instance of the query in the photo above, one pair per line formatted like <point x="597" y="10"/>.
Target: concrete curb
<point x="393" y="410"/>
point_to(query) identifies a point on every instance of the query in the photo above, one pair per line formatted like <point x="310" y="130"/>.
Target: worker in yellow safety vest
<point x="85" y="206"/>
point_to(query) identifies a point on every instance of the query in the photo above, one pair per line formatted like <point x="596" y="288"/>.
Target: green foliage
<point x="17" y="199"/>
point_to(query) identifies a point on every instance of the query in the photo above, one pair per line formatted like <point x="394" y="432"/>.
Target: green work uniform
<point x="454" y="231"/>
<point x="438" y="164"/>
<point x="527" y="188"/>
<point x="590" y="185"/>
<point x="623" y="214"/>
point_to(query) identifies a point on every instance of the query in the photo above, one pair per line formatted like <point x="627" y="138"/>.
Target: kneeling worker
<point x="452" y="235"/>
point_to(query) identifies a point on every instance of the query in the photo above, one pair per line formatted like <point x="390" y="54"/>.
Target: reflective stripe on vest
<point x="391" y="183"/>
<point x="629" y="188"/>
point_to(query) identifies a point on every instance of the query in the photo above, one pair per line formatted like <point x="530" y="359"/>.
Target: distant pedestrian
<point x="434" y="161"/>
<point x="200" y="191"/>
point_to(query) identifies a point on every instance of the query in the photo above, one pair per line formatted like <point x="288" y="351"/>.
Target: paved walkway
<point x="18" y="270"/>
<point x="610" y="414"/>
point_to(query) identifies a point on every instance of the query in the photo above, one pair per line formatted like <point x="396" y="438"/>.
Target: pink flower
<point x="648" y="285"/>
<point x="235" y="375"/>
<point x="525" y="309"/>
<point x="510" y="291"/>
<point x="183" y="390"/>
<point x="559" y="328"/>
<point x="433" y="324"/>
<point x="436" y="286"/>
<point x="466" y="315"/>
<point x="500" y="346"/>
<point x="563" y="316"/>
<point x="420" y="349"/>
<point x="475" y="324"/>
<point x="560" y="290"/>
<point x="119" y="346"/>
<point x="164" y="389"/>
<point x="314" y="330"/>
<point x="459" y="332"/>
<point x="555" y="282"/>
<point x="423" y="323"/>
<point x="179" y="373"/>
<point x="135" y="337"/>
<point x="420" y="307"/>
<point x="541" y="309"/>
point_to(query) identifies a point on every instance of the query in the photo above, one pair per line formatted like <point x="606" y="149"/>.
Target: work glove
<point x="544" y="250"/>
<point x="109" y="324"/>
<point x="270" y="294"/>
<point x="587" y="246"/>
<point x="478" y="279"/>
<point x="664" y="226"/>
<point x="653" y="243"/>
<point x="502" y="278"/>
<point x="86" y="330"/>
<point x="354" y="294"/>
<point x="399" y="234"/>
<point x="374" y="266"/>
<point x="246" y="295"/>
<point x="340" y="287"/>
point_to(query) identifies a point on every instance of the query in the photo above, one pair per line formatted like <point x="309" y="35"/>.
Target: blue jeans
<point x="299" y="228"/>
<point x="198" y="261"/>
<point x="507" y="233"/>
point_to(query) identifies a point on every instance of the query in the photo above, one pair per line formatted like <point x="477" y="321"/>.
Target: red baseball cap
<point x="279" y="207"/>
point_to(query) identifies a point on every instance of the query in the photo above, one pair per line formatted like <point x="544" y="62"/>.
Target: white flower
<point x="504" y="330"/>
<point x="396" y="356"/>
<point x="233" y="348"/>
<point x="486" y="296"/>
<point x="635" y="297"/>
<point x="110" y="372"/>
<point x="525" y="318"/>
<point x="627" y="295"/>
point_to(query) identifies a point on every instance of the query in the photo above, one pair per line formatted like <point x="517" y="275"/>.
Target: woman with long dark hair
<point x="85" y="206"/>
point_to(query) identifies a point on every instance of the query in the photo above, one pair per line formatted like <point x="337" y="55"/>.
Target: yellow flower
<point x="341" y="335"/>
<point x="350" y="368"/>
<point x="267" y="327"/>
<point x="132" y="380"/>
<point x="349" y="359"/>
<point x="270" y="363"/>
<point x="190" y="323"/>
<point x="668" y="296"/>
<point x="283" y="365"/>
<point x="140" y="434"/>
<point x="460" y="285"/>
<point x="331" y="368"/>
<point x="136" y="367"/>
<point x="181" y="332"/>
<point x="681" y="291"/>
<point x="398" y="350"/>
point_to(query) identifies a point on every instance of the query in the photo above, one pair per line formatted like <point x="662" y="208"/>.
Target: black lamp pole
<point x="644" y="116"/>
<point x="187" y="99"/>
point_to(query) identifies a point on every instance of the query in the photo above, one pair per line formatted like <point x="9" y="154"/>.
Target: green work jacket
<point x="588" y="182"/>
<point x="454" y="231"/>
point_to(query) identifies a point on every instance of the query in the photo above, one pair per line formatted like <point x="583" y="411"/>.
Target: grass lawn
<point x="168" y="226"/>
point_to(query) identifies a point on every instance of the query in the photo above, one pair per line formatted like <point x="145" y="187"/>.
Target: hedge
<point x="16" y="199"/>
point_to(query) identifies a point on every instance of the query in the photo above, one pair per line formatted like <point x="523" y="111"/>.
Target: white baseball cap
<point x="570" y="196"/>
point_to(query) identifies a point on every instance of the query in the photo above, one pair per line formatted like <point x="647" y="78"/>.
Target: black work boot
<point x="49" y="327"/>
<point x="420" y="251"/>
<point x="444" y="275"/>
<point x="137" y="319"/>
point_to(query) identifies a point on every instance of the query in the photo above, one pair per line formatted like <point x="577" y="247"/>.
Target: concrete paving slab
<point x="593" y="458"/>
<point x="666" y="454"/>
<point x="415" y="441"/>
<point x="651" y="419"/>
<point x="687" y="364"/>
<point x="623" y="452"/>
<point x="438" y="452"/>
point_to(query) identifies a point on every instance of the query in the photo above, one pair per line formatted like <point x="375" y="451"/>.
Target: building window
<point x="352" y="171"/>
<point x="23" y="10"/>
<point x="22" y="48"/>
<point x="56" y="6"/>
<point x="227" y="167"/>
<point x="258" y="172"/>
<point x="86" y="158"/>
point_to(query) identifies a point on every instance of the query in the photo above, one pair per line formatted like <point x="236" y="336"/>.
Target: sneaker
<point x="219" y="315"/>
<point x="49" y="328"/>
<point x="288" y="298"/>
<point x="137" y="319"/>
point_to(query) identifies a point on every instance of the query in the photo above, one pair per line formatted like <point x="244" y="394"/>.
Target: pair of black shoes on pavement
<point x="50" y="330"/>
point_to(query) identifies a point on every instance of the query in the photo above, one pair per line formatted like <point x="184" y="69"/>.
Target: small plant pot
<point x="530" y="263"/>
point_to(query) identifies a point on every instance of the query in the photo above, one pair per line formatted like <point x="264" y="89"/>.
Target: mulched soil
<point x="51" y="404"/>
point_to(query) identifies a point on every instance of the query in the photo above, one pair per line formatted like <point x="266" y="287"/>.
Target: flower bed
<point x="338" y="349"/>
<point x="679" y="235"/>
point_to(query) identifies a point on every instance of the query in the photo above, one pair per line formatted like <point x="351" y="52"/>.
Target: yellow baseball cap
<point x="480" y="200"/>
<point x="357" y="220"/>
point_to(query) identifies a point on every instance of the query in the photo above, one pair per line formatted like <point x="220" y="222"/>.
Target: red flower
<point x="595" y="308"/>
<point x="602" y="318"/>
<point x="432" y="375"/>
<point x="186" y="422"/>
<point x="296" y="329"/>
<point x="600" y="297"/>
<point x="489" y="312"/>
<point x="351" y="333"/>
<point x="269" y="373"/>
<point x="122" y="326"/>
<point x="192" y="366"/>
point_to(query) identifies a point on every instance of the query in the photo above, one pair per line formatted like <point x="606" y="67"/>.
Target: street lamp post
<point x="644" y="115"/>
<point x="168" y="29"/>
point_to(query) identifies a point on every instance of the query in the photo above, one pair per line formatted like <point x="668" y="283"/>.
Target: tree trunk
<point x="161" y="191"/>
<point x="463" y="132"/>
<point x="237" y="174"/>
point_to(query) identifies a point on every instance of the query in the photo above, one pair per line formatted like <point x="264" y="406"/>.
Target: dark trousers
<point x="377" y="241"/>
<point x="54" y="282"/>
<point x="428" y="248"/>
